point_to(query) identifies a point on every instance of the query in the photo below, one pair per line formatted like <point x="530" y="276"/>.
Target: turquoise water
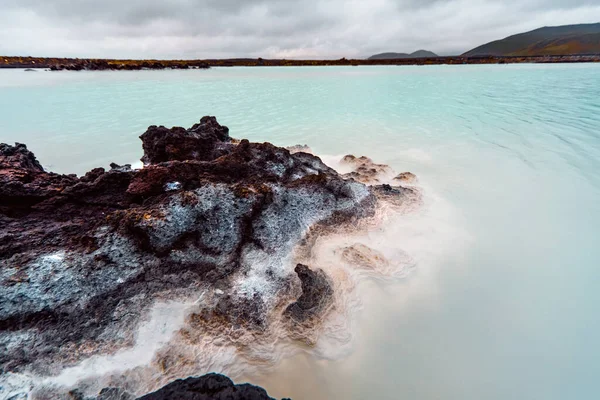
<point x="503" y="303"/>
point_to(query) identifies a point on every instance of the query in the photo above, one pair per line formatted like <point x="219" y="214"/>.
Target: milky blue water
<point x="505" y="306"/>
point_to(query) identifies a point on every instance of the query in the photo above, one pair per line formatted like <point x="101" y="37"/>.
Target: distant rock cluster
<point x="127" y="65"/>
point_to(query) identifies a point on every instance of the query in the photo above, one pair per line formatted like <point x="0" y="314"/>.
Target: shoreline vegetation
<point x="78" y="64"/>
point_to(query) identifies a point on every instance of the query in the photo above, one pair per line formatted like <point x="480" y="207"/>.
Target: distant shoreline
<point x="77" y="64"/>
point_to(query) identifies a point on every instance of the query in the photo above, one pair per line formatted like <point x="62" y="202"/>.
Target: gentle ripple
<point x="513" y="151"/>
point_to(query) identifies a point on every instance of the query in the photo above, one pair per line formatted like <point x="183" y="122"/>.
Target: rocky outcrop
<point x="204" y="141"/>
<point x="81" y="258"/>
<point x="365" y="170"/>
<point x="317" y="294"/>
<point x="406" y="177"/>
<point x="23" y="182"/>
<point x="208" y="387"/>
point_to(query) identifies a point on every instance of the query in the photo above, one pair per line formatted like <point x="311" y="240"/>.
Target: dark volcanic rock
<point x="208" y="387"/>
<point x="129" y="65"/>
<point x="81" y="259"/>
<point x="204" y="141"/>
<point x="114" y="394"/>
<point x="23" y="181"/>
<point x="317" y="294"/>
<point x="18" y="157"/>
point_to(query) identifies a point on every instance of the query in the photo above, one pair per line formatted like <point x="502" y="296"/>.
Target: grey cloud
<point x="143" y="11"/>
<point x="418" y="4"/>
<point x="122" y="12"/>
<point x="270" y="28"/>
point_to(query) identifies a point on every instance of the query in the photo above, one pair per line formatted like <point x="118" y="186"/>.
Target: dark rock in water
<point x="208" y="387"/>
<point x="130" y="65"/>
<point x="204" y="141"/>
<point x="394" y="195"/>
<point x="82" y="259"/>
<point x="317" y="294"/>
<point x="120" y="168"/>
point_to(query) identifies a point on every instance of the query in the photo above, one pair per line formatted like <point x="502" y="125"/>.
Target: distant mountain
<point x="550" y="40"/>
<point x="393" y="56"/>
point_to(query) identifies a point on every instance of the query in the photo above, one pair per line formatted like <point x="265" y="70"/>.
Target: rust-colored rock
<point x="406" y="177"/>
<point x="83" y="258"/>
<point x="199" y="211"/>
<point x="364" y="170"/>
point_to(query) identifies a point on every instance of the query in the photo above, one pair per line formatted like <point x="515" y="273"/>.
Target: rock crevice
<point x="204" y="212"/>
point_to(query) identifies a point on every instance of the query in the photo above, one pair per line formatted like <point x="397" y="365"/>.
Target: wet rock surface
<point x="406" y="177"/>
<point x="365" y="170"/>
<point x="83" y="258"/>
<point x="114" y="394"/>
<point x="208" y="387"/>
<point x="299" y="148"/>
<point x="317" y="293"/>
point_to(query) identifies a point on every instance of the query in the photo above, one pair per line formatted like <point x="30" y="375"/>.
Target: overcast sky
<point x="270" y="28"/>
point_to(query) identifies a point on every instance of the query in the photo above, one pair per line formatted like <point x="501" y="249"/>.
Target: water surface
<point x="503" y="300"/>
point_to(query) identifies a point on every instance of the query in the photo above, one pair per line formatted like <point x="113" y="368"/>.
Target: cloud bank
<point x="270" y="28"/>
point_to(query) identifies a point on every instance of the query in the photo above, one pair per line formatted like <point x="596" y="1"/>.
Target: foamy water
<point x="490" y="285"/>
<point x="168" y="345"/>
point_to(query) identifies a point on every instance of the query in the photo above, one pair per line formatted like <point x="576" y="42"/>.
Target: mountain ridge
<point x="394" y="56"/>
<point x="576" y="39"/>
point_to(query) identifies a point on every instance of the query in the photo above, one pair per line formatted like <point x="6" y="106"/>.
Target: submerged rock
<point x="361" y="255"/>
<point x="364" y="170"/>
<point x="407" y="177"/>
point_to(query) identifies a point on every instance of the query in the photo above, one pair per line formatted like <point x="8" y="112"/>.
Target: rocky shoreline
<point x="106" y="65"/>
<point x="77" y="64"/>
<point x="208" y="387"/>
<point x="83" y="258"/>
